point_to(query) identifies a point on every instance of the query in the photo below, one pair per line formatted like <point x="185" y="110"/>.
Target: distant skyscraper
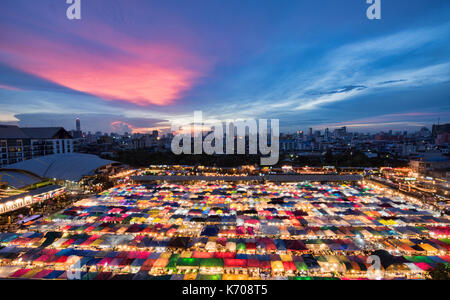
<point x="78" y="124"/>
<point x="310" y="132"/>
<point x="77" y="133"/>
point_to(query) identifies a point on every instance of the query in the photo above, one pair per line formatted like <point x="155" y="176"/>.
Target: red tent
<point x="143" y="254"/>
<point x="222" y="241"/>
<point x="250" y="246"/>
<point x="289" y="266"/>
<point x="198" y="254"/>
<point x="20" y="273"/>
<point x="148" y="264"/>
<point x="423" y="266"/>
<point x="265" y="265"/>
<point x="235" y="263"/>
<point x="270" y="246"/>
<point x="240" y="230"/>
<point x="225" y="255"/>
<point x="253" y="263"/>
<point x="62" y="259"/>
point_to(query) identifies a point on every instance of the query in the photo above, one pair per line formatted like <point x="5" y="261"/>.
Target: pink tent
<point x="20" y="273"/>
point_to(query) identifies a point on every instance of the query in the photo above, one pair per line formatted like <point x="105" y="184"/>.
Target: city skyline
<point x="78" y="128"/>
<point x="137" y="66"/>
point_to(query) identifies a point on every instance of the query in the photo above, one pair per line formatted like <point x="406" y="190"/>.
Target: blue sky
<point x="138" y="65"/>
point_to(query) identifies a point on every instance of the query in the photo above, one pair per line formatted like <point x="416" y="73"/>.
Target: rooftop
<point x="69" y="166"/>
<point x="15" y="132"/>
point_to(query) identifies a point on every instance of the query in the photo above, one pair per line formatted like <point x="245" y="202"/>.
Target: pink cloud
<point x="125" y="69"/>
<point x="120" y="126"/>
<point x="9" y="88"/>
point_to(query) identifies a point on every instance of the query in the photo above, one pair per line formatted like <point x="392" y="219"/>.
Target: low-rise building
<point x="20" y="144"/>
<point x="429" y="162"/>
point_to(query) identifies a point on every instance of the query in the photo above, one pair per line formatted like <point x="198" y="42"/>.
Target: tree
<point x="441" y="272"/>
<point x="329" y="159"/>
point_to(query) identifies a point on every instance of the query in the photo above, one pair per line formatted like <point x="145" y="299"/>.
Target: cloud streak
<point x="141" y="73"/>
<point x="360" y="68"/>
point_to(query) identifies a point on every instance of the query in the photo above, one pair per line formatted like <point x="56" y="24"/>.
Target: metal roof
<point x="15" y="132"/>
<point x="42" y="132"/>
<point x="32" y="193"/>
<point x="11" y="132"/>
<point x="18" y="179"/>
<point x="69" y="166"/>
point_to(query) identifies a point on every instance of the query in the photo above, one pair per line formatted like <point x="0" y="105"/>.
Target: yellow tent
<point x="428" y="248"/>
<point x="286" y="257"/>
<point x="190" y="276"/>
<point x="277" y="266"/>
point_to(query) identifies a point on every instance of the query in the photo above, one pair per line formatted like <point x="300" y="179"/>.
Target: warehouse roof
<point x="18" y="179"/>
<point x="69" y="166"/>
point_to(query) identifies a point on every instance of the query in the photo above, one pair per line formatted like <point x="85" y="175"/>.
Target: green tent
<point x="171" y="265"/>
<point x="209" y="277"/>
<point x="188" y="262"/>
<point x="301" y="266"/>
<point x="211" y="262"/>
<point x="241" y="246"/>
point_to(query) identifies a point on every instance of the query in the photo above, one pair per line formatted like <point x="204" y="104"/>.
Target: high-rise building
<point x="77" y="133"/>
<point x="340" y="132"/>
<point x="439" y="129"/>
<point x="78" y="124"/>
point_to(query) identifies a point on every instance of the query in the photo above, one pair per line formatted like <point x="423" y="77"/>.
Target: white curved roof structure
<point x="69" y="166"/>
<point x="18" y="179"/>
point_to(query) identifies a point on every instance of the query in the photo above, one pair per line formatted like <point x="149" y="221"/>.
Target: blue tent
<point x="54" y="275"/>
<point x="280" y="245"/>
<point x="210" y="231"/>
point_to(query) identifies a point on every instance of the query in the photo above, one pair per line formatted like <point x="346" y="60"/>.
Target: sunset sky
<point x="137" y="65"/>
